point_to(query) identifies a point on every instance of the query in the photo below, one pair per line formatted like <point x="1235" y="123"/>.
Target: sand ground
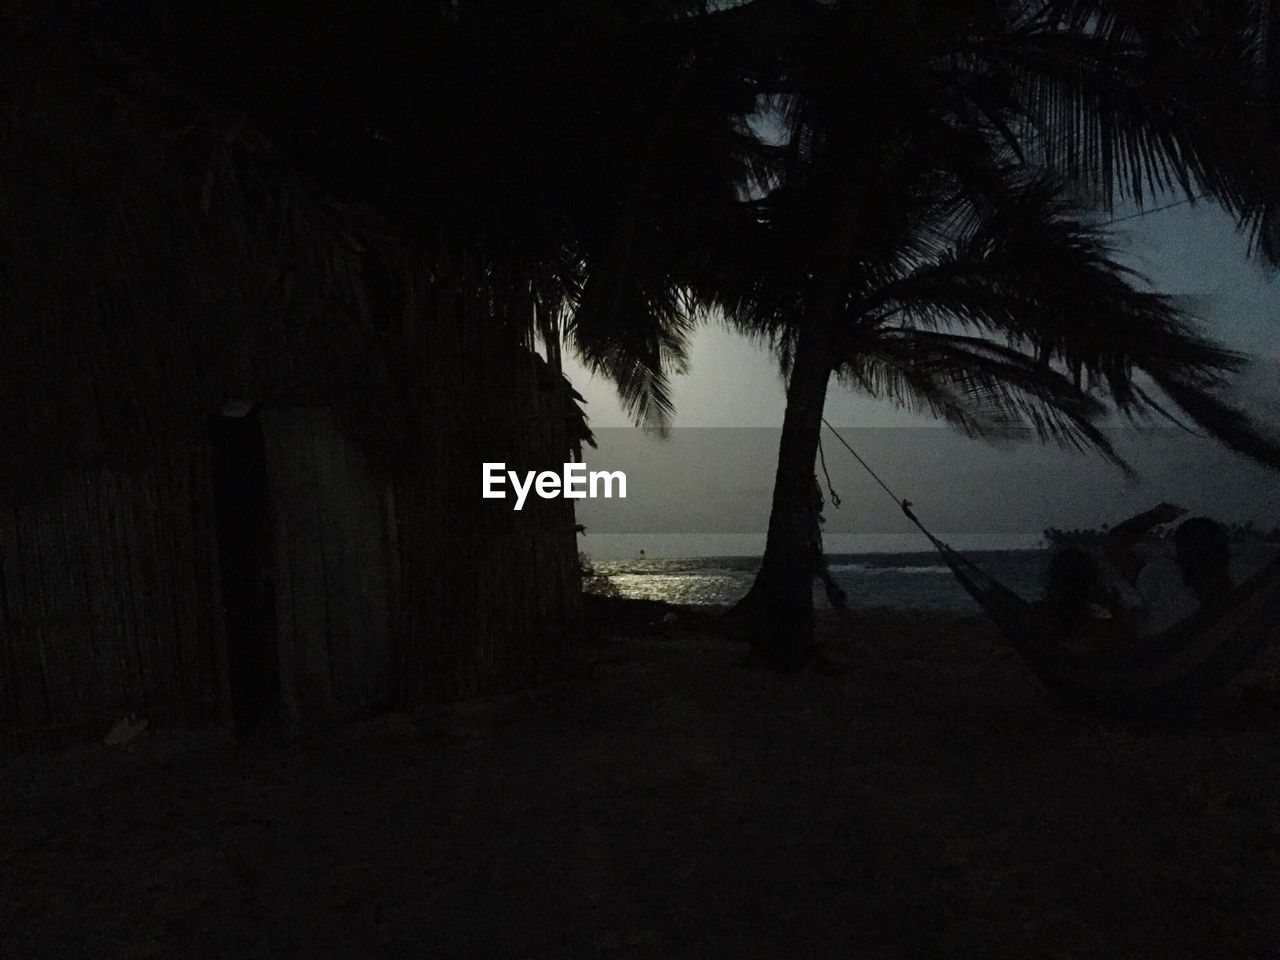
<point x="671" y="803"/>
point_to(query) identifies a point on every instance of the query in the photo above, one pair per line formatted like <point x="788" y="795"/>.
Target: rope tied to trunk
<point x="903" y="504"/>
<point x="963" y="567"/>
<point x="832" y="497"/>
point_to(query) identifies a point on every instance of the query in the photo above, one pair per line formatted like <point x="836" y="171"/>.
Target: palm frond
<point x="1029" y="325"/>
<point x="637" y="338"/>
<point x="1225" y="422"/>
<point x="1036" y="276"/>
<point x="984" y="389"/>
<point x="1138" y="99"/>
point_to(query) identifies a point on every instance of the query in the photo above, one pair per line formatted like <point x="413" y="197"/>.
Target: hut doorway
<point x="242" y="512"/>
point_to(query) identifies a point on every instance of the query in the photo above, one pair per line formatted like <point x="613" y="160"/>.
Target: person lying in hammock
<point x="1122" y="555"/>
<point x="1127" y="588"/>
<point x="1178" y="583"/>
<point x="1076" y="606"/>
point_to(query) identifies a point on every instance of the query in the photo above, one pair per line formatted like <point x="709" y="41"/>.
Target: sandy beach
<point x="670" y="802"/>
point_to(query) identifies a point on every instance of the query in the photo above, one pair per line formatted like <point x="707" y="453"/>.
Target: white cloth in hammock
<point x="1158" y="600"/>
<point x="1166" y="598"/>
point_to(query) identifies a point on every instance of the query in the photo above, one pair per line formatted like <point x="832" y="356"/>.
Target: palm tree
<point x="646" y="229"/>
<point x="904" y="128"/>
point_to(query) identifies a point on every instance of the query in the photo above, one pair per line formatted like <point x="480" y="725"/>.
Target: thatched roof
<point x="156" y="260"/>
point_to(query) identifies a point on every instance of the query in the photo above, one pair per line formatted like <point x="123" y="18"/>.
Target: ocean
<point x="907" y="581"/>
<point x="918" y="581"/>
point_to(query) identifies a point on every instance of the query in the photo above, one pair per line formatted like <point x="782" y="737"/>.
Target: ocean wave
<point x="880" y="571"/>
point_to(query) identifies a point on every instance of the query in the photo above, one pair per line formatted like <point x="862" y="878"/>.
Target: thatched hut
<point x="242" y="433"/>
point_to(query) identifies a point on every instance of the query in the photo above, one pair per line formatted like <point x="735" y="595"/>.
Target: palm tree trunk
<point x="780" y="602"/>
<point x="778" y="609"/>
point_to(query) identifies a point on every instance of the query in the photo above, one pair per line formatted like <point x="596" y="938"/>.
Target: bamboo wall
<point x="411" y="587"/>
<point x="154" y="311"/>
<point x="335" y="558"/>
<point x="491" y="595"/>
<point x="386" y="589"/>
<point x="395" y="584"/>
<point x="107" y="602"/>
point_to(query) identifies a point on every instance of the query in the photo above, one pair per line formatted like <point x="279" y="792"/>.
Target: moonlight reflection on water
<point x="903" y="580"/>
<point x="908" y="581"/>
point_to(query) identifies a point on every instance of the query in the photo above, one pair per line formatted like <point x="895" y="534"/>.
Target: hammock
<point x="1158" y="674"/>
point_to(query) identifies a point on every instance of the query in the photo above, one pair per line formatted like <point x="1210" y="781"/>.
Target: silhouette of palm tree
<point x="920" y="245"/>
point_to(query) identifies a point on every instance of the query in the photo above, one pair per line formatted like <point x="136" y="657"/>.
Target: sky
<point x="706" y="490"/>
